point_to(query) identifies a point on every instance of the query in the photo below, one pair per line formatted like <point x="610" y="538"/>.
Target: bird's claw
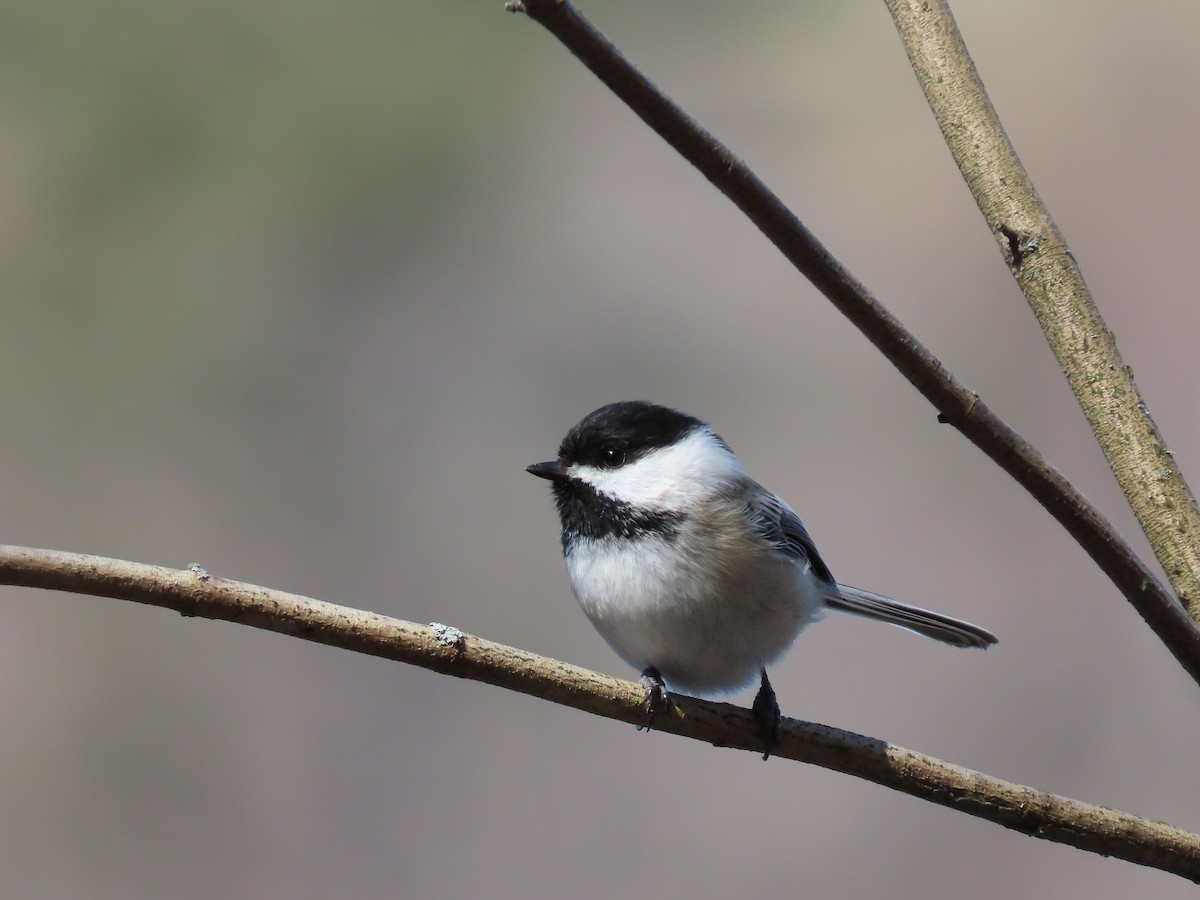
<point x="766" y="713"/>
<point x="655" y="695"/>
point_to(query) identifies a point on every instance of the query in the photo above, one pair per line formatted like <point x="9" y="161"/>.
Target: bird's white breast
<point x="707" y="607"/>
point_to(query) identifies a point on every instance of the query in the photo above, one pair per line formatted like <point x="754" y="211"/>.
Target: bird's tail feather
<point x="924" y="622"/>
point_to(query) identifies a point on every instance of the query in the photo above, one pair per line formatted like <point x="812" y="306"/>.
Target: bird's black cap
<point x="631" y="427"/>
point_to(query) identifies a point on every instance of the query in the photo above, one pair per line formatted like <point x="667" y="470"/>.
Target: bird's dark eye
<point x="612" y="457"/>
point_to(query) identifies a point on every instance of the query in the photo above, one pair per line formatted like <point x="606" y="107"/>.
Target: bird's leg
<point x="656" y="694"/>
<point x="766" y="712"/>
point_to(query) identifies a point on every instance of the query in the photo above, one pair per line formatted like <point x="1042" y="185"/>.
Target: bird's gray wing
<point x="778" y="524"/>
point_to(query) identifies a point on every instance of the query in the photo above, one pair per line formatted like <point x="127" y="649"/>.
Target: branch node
<point x="199" y="571"/>
<point x="450" y="637"/>
<point x="1016" y="242"/>
<point x="956" y="419"/>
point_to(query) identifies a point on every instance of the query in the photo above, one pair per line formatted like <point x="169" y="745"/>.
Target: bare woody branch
<point x="956" y="404"/>
<point x="194" y="592"/>
<point x="1051" y="280"/>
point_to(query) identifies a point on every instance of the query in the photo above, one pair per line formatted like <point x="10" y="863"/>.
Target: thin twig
<point x="441" y="648"/>
<point x="956" y="405"/>
<point x="1051" y="280"/>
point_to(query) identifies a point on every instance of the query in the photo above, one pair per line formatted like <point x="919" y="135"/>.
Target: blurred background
<point x="295" y="291"/>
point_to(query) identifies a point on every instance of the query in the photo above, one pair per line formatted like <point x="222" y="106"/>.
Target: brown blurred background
<point x="296" y="290"/>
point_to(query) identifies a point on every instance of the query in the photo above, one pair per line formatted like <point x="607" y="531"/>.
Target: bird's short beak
<point x="551" y="469"/>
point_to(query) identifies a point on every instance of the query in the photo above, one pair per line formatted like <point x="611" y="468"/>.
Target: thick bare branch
<point x="1053" y="284"/>
<point x="956" y="404"/>
<point x="194" y="592"/>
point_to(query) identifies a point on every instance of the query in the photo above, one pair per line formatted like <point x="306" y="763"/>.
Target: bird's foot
<point x="766" y="713"/>
<point x="656" y="695"/>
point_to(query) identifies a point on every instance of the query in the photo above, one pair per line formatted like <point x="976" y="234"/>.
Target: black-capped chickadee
<point x="692" y="571"/>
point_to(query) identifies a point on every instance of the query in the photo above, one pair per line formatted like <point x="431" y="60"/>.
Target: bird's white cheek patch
<point x="669" y="478"/>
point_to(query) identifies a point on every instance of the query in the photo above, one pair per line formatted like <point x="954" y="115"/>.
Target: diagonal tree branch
<point x="1051" y="280"/>
<point x="956" y="404"/>
<point x="194" y="592"/>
